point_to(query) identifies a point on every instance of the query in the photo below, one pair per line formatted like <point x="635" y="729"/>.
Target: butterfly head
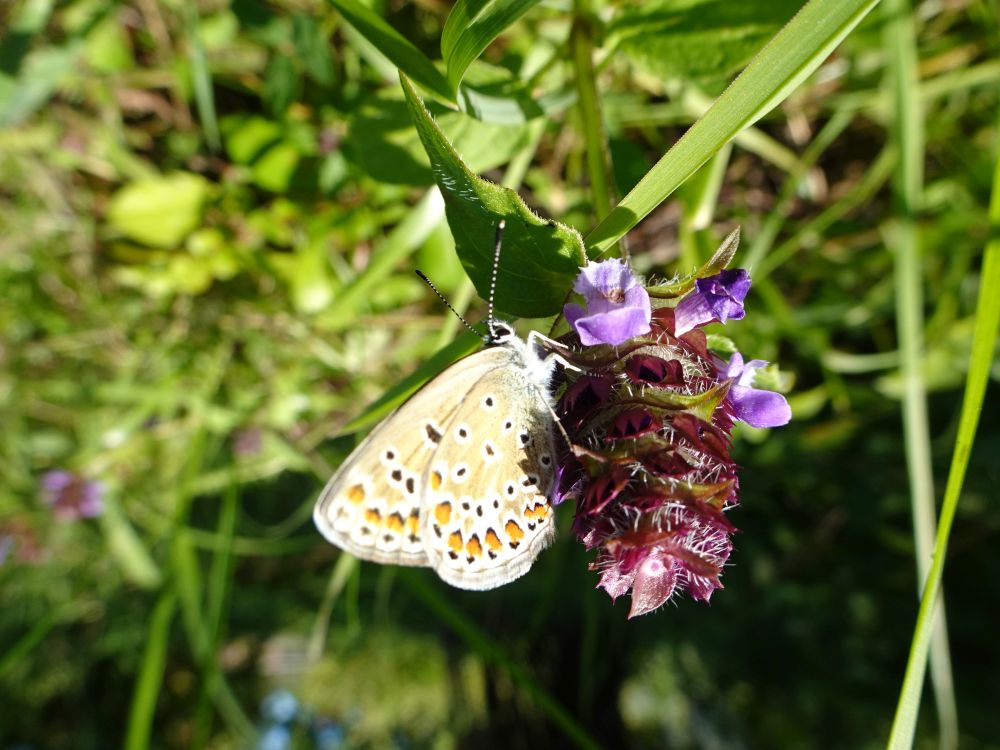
<point x="498" y="333"/>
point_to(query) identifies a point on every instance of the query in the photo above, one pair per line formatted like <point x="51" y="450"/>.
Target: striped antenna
<point x="434" y="289"/>
<point x="490" y="320"/>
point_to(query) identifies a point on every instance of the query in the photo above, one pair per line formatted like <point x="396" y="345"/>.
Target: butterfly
<point x="459" y="478"/>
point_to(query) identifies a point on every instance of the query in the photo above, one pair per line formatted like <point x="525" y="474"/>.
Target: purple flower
<point x="71" y="496"/>
<point x="617" y="306"/>
<point x="755" y="406"/>
<point x="718" y="297"/>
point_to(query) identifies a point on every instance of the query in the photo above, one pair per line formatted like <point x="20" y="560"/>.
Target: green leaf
<point x="788" y="59"/>
<point x="282" y="83"/>
<point x="159" y="211"/>
<point x="400" y="50"/>
<point x="700" y="40"/>
<point x="313" y="49"/>
<point x="540" y="258"/>
<point x="382" y="141"/>
<point x="471" y="26"/>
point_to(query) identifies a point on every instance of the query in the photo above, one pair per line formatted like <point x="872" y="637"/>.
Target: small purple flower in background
<point x="72" y="496"/>
<point x="617" y="306"/>
<point x="719" y="297"/>
<point x="755" y="406"/>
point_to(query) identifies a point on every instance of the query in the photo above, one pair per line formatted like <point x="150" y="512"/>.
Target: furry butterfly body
<point x="459" y="477"/>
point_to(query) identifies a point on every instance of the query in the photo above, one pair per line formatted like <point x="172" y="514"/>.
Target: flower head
<point x="719" y="297"/>
<point x="72" y="496"/>
<point x="617" y="306"/>
<point x="755" y="406"/>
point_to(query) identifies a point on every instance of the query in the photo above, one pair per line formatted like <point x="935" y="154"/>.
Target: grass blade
<point x="147" y="686"/>
<point x="471" y="26"/>
<point x="400" y="50"/>
<point x="983" y="344"/>
<point x="787" y="60"/>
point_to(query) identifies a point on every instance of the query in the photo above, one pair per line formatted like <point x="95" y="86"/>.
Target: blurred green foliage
<point x="210" y="213"/>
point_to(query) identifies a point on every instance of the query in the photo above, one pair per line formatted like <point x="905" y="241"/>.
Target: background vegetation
<point x="210" y="213"/>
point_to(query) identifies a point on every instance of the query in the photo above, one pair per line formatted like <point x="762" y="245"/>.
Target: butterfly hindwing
<point x="487" y="514"/>
<point x="372" y="506"/>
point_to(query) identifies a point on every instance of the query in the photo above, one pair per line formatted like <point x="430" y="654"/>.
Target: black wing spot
<point x="414" y="538"/>
<point x="387" y="537"/>
<point x="437" y="530"/>
<point x="411" y="486"/>
<point x="433" y="434"/>
<point x="452" y="554"/>
<point x="531" y="525"/>
<point x="514" y="545"/>
<point x="465" y="506"/>
<point x="492" y="554"/>
<point x="397" y="475"/>
<point x="479" y="510"/>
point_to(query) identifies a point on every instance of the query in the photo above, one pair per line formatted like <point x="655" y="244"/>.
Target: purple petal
<point x="573" y="313"/>
<point x="608" y="279"/>
<point x="725" y="292"/>
<point x="759" y="408"/>
<point x="755" y="406"/>
<point x="615" y="327"/>
<point x="655" y="581"/>
<point x="719" y="297"/>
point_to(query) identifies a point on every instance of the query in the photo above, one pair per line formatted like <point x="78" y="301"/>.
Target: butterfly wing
<point x="486" y="514"/>
<point x="372" y="506"/>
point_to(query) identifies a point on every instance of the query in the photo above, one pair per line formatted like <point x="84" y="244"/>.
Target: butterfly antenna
<point x="434" y="289"/>
<point x="493" y="280"/>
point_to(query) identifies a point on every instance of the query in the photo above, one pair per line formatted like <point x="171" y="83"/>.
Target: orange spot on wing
<point x="442" y="512"/>
<point x="538" y="510"/>
<point x="455" y="541"/>
<point x="413" y="522"/>
<point x="436" y="480"/>
<point x="356" y="494"/>
<point x="473" y="547"/>
<point x="394" y="523"/>
<point x="514" y="531"/>
<point x="493" y="541"/>
<point x="373" y="516"/>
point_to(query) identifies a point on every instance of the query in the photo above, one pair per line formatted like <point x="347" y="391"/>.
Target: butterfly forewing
<point x="371" y="507"/>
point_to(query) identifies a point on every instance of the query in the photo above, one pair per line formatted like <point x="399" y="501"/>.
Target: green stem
<point x="154" y="659"/>
<point x="984" y="338"/>
<point x="907" y="130"/>
<point x="595" y="139"/>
